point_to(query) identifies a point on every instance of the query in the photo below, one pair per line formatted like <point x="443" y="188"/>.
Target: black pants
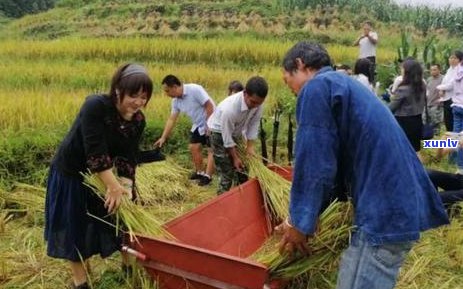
<point x="452" y="184"/>
<point x="413" y="128"/>
<point x="372" y="75"/>
<point x="448" y="115"/>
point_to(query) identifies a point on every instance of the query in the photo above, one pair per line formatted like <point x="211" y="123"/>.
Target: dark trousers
<point x="448" y="115"/>
<point x="452" y="184"/>
<point x="372" y="75"/>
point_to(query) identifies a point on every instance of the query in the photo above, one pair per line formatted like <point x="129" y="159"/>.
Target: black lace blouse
<point x="100" y="139"/>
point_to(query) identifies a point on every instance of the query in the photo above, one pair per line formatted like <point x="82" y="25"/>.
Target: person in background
<point x="346" y="136"/>
<point x="434" y="105"/>
<point x="236" y="117"/>
<point x="446" y="88"/>
<point x="105" y="135"/>
<point x="361" y="72"/>
<point x="407" y="104"/>
<point x="344" y="68"/>
<point x="457" y="108"/>
<point x="193" y="100"/>
<point x="367" y="43"/>
<point x="452" y="185"/>
<point x="399" y="78"/>
<point x="234" y="87"/>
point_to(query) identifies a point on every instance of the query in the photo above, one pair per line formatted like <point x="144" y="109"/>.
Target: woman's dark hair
<point x="362" y="66"/>
<point x="235" y="86"/>
<point x="313" y="55"/>
<point x="130" y="83"/>
<point x="413" y="76"/>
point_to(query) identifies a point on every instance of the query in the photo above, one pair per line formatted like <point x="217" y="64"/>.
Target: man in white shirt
<point x="193" y="100"/>
<point x="367" y="43"/>
<point x="236" y="117"/>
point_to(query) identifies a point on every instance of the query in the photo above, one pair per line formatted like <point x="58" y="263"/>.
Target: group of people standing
<point x="219" y="128"/>
<point x="346" y="138"/>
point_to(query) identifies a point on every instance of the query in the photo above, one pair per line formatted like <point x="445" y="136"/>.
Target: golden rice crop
<point x="161" y="182"/>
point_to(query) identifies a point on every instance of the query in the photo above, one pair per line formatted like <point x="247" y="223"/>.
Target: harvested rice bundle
<point x="135" y="218"/>
<point x="162" y="181"/>
<point x="327" y="245"/>
<point x="275" y="188"/>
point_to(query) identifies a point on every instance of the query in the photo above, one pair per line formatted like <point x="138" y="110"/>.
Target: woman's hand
<point x="113" y="197"/>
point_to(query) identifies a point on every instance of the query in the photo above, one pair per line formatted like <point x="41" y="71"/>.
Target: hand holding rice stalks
<point x="135" y="218"/>
<point x="328" y="242"/>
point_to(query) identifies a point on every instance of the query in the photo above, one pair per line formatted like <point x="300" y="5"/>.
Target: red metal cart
<point x="213" y="242"/>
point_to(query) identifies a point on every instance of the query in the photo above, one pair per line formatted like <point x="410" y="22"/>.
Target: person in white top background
<point x="446" y="88"/>
<point x="367" y="43"/>
<point x="236" y="117"/>
<point x="193" y="100"/>
<point x="361" y="72"/>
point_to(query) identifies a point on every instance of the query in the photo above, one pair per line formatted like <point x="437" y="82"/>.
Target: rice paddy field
<point x="43" y="83"/>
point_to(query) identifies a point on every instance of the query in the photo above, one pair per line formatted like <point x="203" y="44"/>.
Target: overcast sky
<point x="454" y="3"/>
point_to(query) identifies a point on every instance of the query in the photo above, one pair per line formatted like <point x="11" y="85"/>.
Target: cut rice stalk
<point x="160" y="182"/>
<point x="135" y="218"/>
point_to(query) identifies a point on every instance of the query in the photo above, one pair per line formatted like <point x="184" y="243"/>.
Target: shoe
<point x="204" y="181"/>
<point x="195" y="176"/>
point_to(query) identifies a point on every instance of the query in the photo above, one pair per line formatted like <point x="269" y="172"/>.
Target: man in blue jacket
<point x="346" y="137"/>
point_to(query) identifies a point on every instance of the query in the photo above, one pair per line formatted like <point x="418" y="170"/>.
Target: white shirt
<point x="233" y="118"/>
<point x="363" y="80"/>
<point x="192" y="104"/>
<point x="367" y="48"/>
<point x="447" y="83"/>
<point x="397" y="81"/>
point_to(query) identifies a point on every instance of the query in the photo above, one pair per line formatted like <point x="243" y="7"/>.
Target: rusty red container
<point x="212" y="243"/>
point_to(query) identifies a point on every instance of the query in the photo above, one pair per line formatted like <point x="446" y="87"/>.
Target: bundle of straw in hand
<point x="327" y="243"/>
<point x="135" y="218"/>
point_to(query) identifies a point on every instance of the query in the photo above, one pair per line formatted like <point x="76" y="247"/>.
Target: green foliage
<point x="25" y="156"/>
<point x="431" y="53"/>
<point x="386" y="74"/>
<point x="19" y="8"/>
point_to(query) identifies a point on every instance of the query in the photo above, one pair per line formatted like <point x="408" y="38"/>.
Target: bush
<point x="25" y="156"/>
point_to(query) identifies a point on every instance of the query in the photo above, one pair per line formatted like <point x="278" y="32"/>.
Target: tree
<point x="19" y="8"/>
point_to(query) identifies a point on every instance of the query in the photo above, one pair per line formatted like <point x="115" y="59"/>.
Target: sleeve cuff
<point x="125" y="168"/>
<point x="99" y="163"/>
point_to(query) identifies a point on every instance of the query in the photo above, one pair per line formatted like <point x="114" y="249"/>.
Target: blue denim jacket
<point x="346" y="135"/>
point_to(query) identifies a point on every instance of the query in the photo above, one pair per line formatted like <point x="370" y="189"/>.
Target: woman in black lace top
<point x="105" y="135"/>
